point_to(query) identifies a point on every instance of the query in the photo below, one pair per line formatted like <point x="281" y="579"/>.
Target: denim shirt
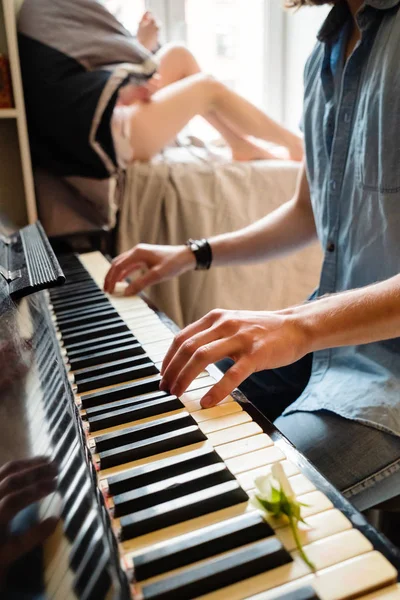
<point x="352" y="141"/>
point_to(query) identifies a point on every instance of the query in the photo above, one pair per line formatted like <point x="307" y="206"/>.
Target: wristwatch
<point x="202" y="252"/>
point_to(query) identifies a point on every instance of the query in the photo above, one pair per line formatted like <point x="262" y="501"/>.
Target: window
<point x="128" y="13"/>
<point x="227" y="39"/>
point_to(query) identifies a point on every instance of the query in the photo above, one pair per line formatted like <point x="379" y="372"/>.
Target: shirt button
<point x="333" y="184"/>
<point x="346" y="117"/>
<point x="330" y="247"/>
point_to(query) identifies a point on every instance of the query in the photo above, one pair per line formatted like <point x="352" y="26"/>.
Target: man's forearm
<point x="289" y="227"/>
<point x="359" y="316"/>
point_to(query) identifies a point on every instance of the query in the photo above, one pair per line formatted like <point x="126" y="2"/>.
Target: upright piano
<point x="153" y="492"/>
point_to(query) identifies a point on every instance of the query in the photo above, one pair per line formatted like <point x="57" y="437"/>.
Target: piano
<point x="153" y="492"/>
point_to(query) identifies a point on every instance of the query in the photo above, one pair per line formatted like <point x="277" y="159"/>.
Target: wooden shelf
<point x="8" y="113"/>
<point x="16" y="179"/>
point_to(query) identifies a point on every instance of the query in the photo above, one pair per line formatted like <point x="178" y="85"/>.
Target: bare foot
<point x="246" y="150"/>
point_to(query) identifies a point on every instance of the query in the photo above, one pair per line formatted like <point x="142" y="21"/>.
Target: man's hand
<point x="148" y="30"/>
<point x="159" y="262"/>
<point x="254" y="340"/>
<point x="23" y="483"/>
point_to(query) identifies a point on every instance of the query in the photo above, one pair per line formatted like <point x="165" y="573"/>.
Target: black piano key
<point x="185" y="508"/>
<point x="150" y="447"/>
<point x="100" y="305"/>
<point x="64" y="298"/>
<point x="137" y="388"/>
<point x="73" y="283"/>
<point x="120" y="376"/>
<point x="100" y="343"/>
<point x="126" y="403"/>
<point x="78" y="312"/>
<point x="110" y="367"/>
<point x="304" y="593"/>
<point x="143" y="431"/>
<point x="76" y="289"/>
<point x="127" y="348"/>
<point x="141" y="411"/>
<point x="75" y="334"/>
<point x="162" y="469"/>
<point x="88" y="300"/>
<point x="171" y="489"/>
<point x="89" y="319"/>
<point x="202" y="544"/>
<point x="218" y="573"/>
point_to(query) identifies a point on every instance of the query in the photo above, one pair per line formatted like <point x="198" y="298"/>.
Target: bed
<point x="190" y="191"/>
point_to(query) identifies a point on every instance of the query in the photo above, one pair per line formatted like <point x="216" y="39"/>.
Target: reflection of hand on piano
<point x="16" y="359"/>
<point x="254" y="340"/>
<point x="160" y="263"/>
<point x="23" y="483"/>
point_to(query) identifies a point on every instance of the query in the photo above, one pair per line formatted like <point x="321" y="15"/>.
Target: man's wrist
<point x="307" y="322"/>
<point x="187" y="258"/>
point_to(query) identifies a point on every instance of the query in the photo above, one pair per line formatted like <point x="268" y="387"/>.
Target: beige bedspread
<point x="187" y="193"/>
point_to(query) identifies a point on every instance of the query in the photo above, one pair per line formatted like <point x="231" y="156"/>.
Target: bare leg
<point x="177" y="62"/>
<point x="155" y="124"/>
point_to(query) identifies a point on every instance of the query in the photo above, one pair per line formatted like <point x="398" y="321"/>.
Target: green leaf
<point x="279" y="505"/>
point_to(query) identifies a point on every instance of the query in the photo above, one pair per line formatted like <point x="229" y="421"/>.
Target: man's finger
<point x="232" y="378"/>
<point x="18" y="545"/>
<point x="205" y="355"/>
<point x="123" y="273"/>
<point x="185" y="352"/>
<point x="124" y="265"/>
<point x="151" y="277"/>
<point x="194" y="328"/>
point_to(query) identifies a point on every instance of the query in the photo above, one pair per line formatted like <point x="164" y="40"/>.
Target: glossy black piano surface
<point x="38" y="414"/>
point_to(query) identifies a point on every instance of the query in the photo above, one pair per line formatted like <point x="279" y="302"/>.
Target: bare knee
<point x="174" y="51"/>
<point x="176" y="62"/>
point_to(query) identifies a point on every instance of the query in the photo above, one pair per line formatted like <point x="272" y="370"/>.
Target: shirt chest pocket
<point x="377" y="130"/>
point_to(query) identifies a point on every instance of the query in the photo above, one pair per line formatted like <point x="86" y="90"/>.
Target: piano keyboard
<point x="177" y="479"/>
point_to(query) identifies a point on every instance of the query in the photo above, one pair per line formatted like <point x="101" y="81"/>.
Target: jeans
<point x="360" y="461"/>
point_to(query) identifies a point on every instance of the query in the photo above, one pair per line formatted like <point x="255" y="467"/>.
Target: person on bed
<point x="327" y="371"/>
<point x="97" y="99"/>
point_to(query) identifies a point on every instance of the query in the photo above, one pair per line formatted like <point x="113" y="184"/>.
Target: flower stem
<point x="303" y="555"/>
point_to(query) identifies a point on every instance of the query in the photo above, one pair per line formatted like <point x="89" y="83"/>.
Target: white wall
<point x="301" y="31"/>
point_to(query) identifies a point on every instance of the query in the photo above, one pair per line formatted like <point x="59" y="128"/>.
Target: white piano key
<point x="390" y="593"/>
<point x="317" y="527"/>
<point x="222" y="410"/>
<point x="232" y="434"/>
<point x="221" y="423"/>
<point x="342" y="581"/>
<point x="259" y="458"/>
<point x="248" y="478"/>
<point x="244" y="446"/>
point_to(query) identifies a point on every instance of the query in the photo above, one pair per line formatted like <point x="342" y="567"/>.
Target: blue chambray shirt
<point x="352" y="140"/>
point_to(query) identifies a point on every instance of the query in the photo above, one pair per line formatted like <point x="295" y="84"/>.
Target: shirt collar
<point x="340" y="13"/>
